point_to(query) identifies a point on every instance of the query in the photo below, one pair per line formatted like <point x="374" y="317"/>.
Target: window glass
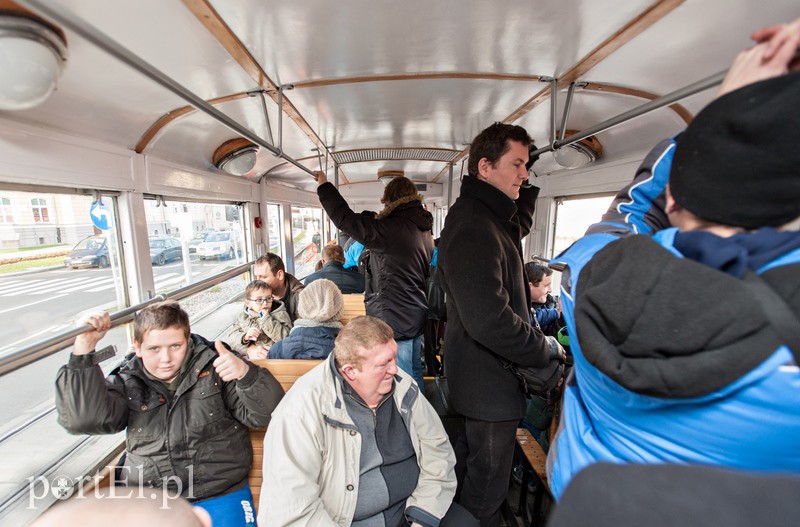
<point x="51" y="272"/>
<point x="439" y="214"/>
<point x="274" y="222"/>
<point x="307" y="239"/>
<point x="191" y="241"/>
<point x="39" y="210"/>
<point x="5" y="211"/>
<point x="574" y="216"/>
<point x="333" y="232"/>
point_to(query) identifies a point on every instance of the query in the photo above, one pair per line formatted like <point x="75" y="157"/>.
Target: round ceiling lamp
<point x="580" y="153"/>
<point x="236" y="157"/>
<point x="32" y="57"/>
<point x="385" y="176"/>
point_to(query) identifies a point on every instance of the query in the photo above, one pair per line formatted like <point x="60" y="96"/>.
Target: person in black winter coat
<point x="400" y="244"/>
<point x="488" y="302"/>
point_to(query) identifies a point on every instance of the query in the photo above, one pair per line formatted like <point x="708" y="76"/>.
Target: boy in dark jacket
<point x="186" y="404"/>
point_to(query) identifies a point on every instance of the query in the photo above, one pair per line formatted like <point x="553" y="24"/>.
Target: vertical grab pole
<point x="336" y="184"/>
<point x="553" y="109"/>
<point x="567" y="107"/>
<point x="450" y="188"/>
<point x="266" y="116"/>
<point x="280" y="120"/>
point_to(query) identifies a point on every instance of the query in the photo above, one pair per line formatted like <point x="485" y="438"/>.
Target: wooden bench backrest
<point x="353" y="307"/>
<point x="286" y="371"/>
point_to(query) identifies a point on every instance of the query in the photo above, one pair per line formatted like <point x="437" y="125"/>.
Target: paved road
<point x="39" y="305"/>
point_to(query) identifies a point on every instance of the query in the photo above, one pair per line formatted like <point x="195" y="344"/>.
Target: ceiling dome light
<point x="32" y="57"/>
<point x="385" y="176"/>
<point x="236" y="157"/>
<point x="579" y="154"/>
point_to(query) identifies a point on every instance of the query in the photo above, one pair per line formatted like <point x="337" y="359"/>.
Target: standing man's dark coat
<point x="487" y="300"/>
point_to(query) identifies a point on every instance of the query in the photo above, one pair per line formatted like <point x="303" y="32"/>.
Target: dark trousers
<point x="484" y="455"/>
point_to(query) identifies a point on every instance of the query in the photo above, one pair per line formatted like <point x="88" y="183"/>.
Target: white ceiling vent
<point x="392" y="154"/>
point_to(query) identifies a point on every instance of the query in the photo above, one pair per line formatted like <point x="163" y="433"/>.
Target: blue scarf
<point x="736" y="254"/>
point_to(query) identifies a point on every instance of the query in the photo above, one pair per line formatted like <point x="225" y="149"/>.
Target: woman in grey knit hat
<point x="320" y="310"/>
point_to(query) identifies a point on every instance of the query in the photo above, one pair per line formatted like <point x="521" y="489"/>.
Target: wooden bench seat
<point x="286" y="371"/>
<point x="536" y="461"/>
<point x="353" y="307"/>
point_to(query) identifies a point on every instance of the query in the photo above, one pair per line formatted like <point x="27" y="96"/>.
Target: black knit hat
<point x="738" y="162"/>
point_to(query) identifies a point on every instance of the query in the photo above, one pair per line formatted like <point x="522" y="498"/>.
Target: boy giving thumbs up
<point x="185" y="403"/>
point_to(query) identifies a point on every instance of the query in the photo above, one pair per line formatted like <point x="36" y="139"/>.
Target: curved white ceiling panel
<point x="320" y="39"/>
<point x="696" y="40"/>
<point x="435" y="113"/>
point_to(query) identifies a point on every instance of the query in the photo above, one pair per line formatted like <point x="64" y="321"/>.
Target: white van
<point x="219" y="244"/>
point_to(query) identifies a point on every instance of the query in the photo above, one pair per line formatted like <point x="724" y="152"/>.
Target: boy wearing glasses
<point x="263" y="322"/>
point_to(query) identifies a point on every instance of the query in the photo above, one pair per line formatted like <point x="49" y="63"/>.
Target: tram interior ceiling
<point x="274" y="121"/>
<point x="226" y="110"/>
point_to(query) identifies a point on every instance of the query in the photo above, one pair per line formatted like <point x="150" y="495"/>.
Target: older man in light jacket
<point x="354" y="443"/>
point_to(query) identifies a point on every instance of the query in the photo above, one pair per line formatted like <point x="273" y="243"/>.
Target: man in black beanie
<point x="682" y="305"/>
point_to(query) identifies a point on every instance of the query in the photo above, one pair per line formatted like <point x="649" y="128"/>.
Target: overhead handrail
<point x="110" y="46"/>
<point x="39" y="350"/>
<point x="655" y="104"/>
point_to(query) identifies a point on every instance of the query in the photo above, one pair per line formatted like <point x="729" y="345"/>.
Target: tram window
<point x="574" y="216"/>
<point x="438" y="220"/>
<point x="191" y="241"/>
<point x="307" y="238"/>
<point x="55" y="264"/>
<point x="333" y="233"/>
<point x="274" y="222"/>
<point x="51" y="272"/>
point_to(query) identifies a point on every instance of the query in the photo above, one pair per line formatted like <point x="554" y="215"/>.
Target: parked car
<point x="197" y="240"/>
<point x="220" y="244"/>
<point x="91" y="251"/>
<point x="163" y="250"/>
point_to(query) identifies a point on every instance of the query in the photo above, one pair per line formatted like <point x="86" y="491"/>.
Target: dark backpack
<point x="363" y="261"/>
<point x="437" y="298"/>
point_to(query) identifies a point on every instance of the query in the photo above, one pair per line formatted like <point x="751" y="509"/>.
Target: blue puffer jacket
<point x="675" y="360"/>
<point x="305" y="343"/>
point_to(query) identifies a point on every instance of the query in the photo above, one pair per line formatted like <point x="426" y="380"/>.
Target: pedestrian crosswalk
<point x="86" y="283"/>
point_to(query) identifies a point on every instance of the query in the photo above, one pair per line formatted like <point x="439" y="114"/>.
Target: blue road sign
<point x="101" y="216"/>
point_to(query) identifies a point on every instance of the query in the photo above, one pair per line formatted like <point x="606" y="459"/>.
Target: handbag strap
<point x="780" y="315"/>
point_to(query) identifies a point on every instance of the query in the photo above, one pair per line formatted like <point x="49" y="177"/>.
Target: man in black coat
<point x="487" y="312"/>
